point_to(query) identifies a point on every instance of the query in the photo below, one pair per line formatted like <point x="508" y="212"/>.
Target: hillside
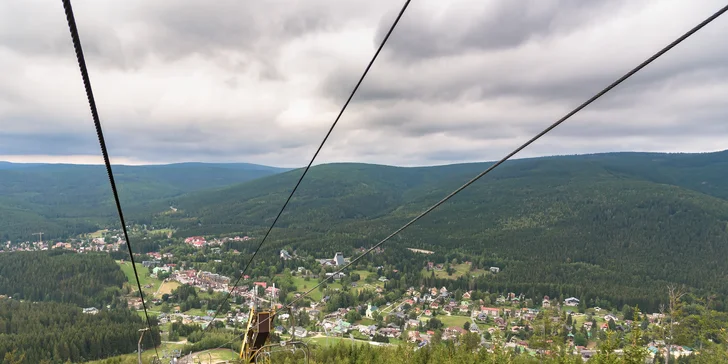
<point x="82" y="279"/>
<point x="613" y="220"/>
<point x="42" y="294"/>
<point x="63" y="199"/>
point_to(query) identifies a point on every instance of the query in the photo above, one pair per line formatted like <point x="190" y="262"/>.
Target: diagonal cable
<point x="336" y="121"/>
<point x="94" y="113"/>
<point x="524" y="145"/>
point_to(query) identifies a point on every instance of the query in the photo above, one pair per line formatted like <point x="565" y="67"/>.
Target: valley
<point x="545" y="251"/>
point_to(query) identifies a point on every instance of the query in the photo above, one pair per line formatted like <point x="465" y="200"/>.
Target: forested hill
<point x="64" y="199"/>
<point x="82" y="279"/>
<point x="40" y="317"/>
<point x="608" y="220"/>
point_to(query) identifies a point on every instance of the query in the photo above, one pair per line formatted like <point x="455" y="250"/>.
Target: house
<point x="466" y="295"/>
<point x="337" y="276"/>
<point x="464" y="308"/>
<point x="413" y="324"/>
<point x="300" y="331"/>
<point x="610" y="317"/>
<point x="370" y="310"/>
<point x="285" y="255"/>
<point x="571" y="301"/>
<point x="339" y="259"/>
<point x="196" y="241"/>
<point x="490" y="311"/>
<point x="494" y="270"/>
<point x="150" y="263"/>
<point x="135" y="303"/>
<point x="272" y="291"/>
<point x="91" y="310"/>
<point x="389" y="332"/>
<point x="546" y="302"/>
<point x="474" y="328"/>
<point x="455" y="331"/>
<point x="158" y="270"/>
<point x="367" y="330"/>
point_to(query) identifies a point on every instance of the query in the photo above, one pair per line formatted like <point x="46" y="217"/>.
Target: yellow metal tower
<point x="257" y="333"/>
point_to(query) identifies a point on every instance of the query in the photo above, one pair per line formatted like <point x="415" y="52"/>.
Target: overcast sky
<point x="261" y="81"/>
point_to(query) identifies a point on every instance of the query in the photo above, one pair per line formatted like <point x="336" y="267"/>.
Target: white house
<point x="571" y="301"/>
<point x="370" y="310"/>
<point x="339" y="259"/>
<point x="300" y="331"/>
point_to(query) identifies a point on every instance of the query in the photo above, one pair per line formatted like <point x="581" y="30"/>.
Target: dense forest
<point x="82" y="279"/>
<point x="63" y="200"/>
<point x="35" y="326"/>
<point x="61" y="332"/>
<point x="615" y="226"/>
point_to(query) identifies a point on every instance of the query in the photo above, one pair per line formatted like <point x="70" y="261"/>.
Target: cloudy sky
<point x="261" y="81"/>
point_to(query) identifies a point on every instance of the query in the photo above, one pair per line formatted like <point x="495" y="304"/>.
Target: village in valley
<point x="178" y="288"/>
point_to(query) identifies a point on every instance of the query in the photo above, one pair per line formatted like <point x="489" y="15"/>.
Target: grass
<point x="98" y="233"/>
<point x="460" y="270"/>
<point x="366" y="321"/>
<point x="302" y="286"/>
<point x="147" y="355"/>
<point x="323" y="341"/>
<point x="167" y="287"/>
<point x="144" y="277"/>
<point x="164" y="232"/>
<point x="457" y="321"/>
<point x="216" y="355"/>
<point x="196" y="312"/>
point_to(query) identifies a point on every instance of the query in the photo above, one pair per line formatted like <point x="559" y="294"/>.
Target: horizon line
<point x="130" y="163"/>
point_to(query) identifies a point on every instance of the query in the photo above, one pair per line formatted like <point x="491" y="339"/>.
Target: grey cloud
<point x="467" y="26"/>
<point x="48" y="143"/>
<point x="394" y="81"/>
<point x="458" y="81"/>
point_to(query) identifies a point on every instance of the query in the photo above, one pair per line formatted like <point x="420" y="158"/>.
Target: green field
<point x="147" y="354"/>
<point x="302" y="286"/>
<point x="164" y="232"/>
<point x="324" y="341"/>
<point x="144" y="278"/>
<point x="460" y="270"/>
<point x="196" y="312"/>
<point x="98" y="233"/>
<point x="453" y="320"/>
<point x="366" y="321"/>
<point x="215" y="355"/>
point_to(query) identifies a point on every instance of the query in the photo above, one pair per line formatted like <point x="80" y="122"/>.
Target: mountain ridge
<point x="643" y="219"/>
<point x="67" y="199"/>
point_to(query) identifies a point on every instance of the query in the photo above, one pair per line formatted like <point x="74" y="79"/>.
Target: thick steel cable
<point x="524" y="145"/>
<point x="305" y="171"/>
<point x="99" y="132"/>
